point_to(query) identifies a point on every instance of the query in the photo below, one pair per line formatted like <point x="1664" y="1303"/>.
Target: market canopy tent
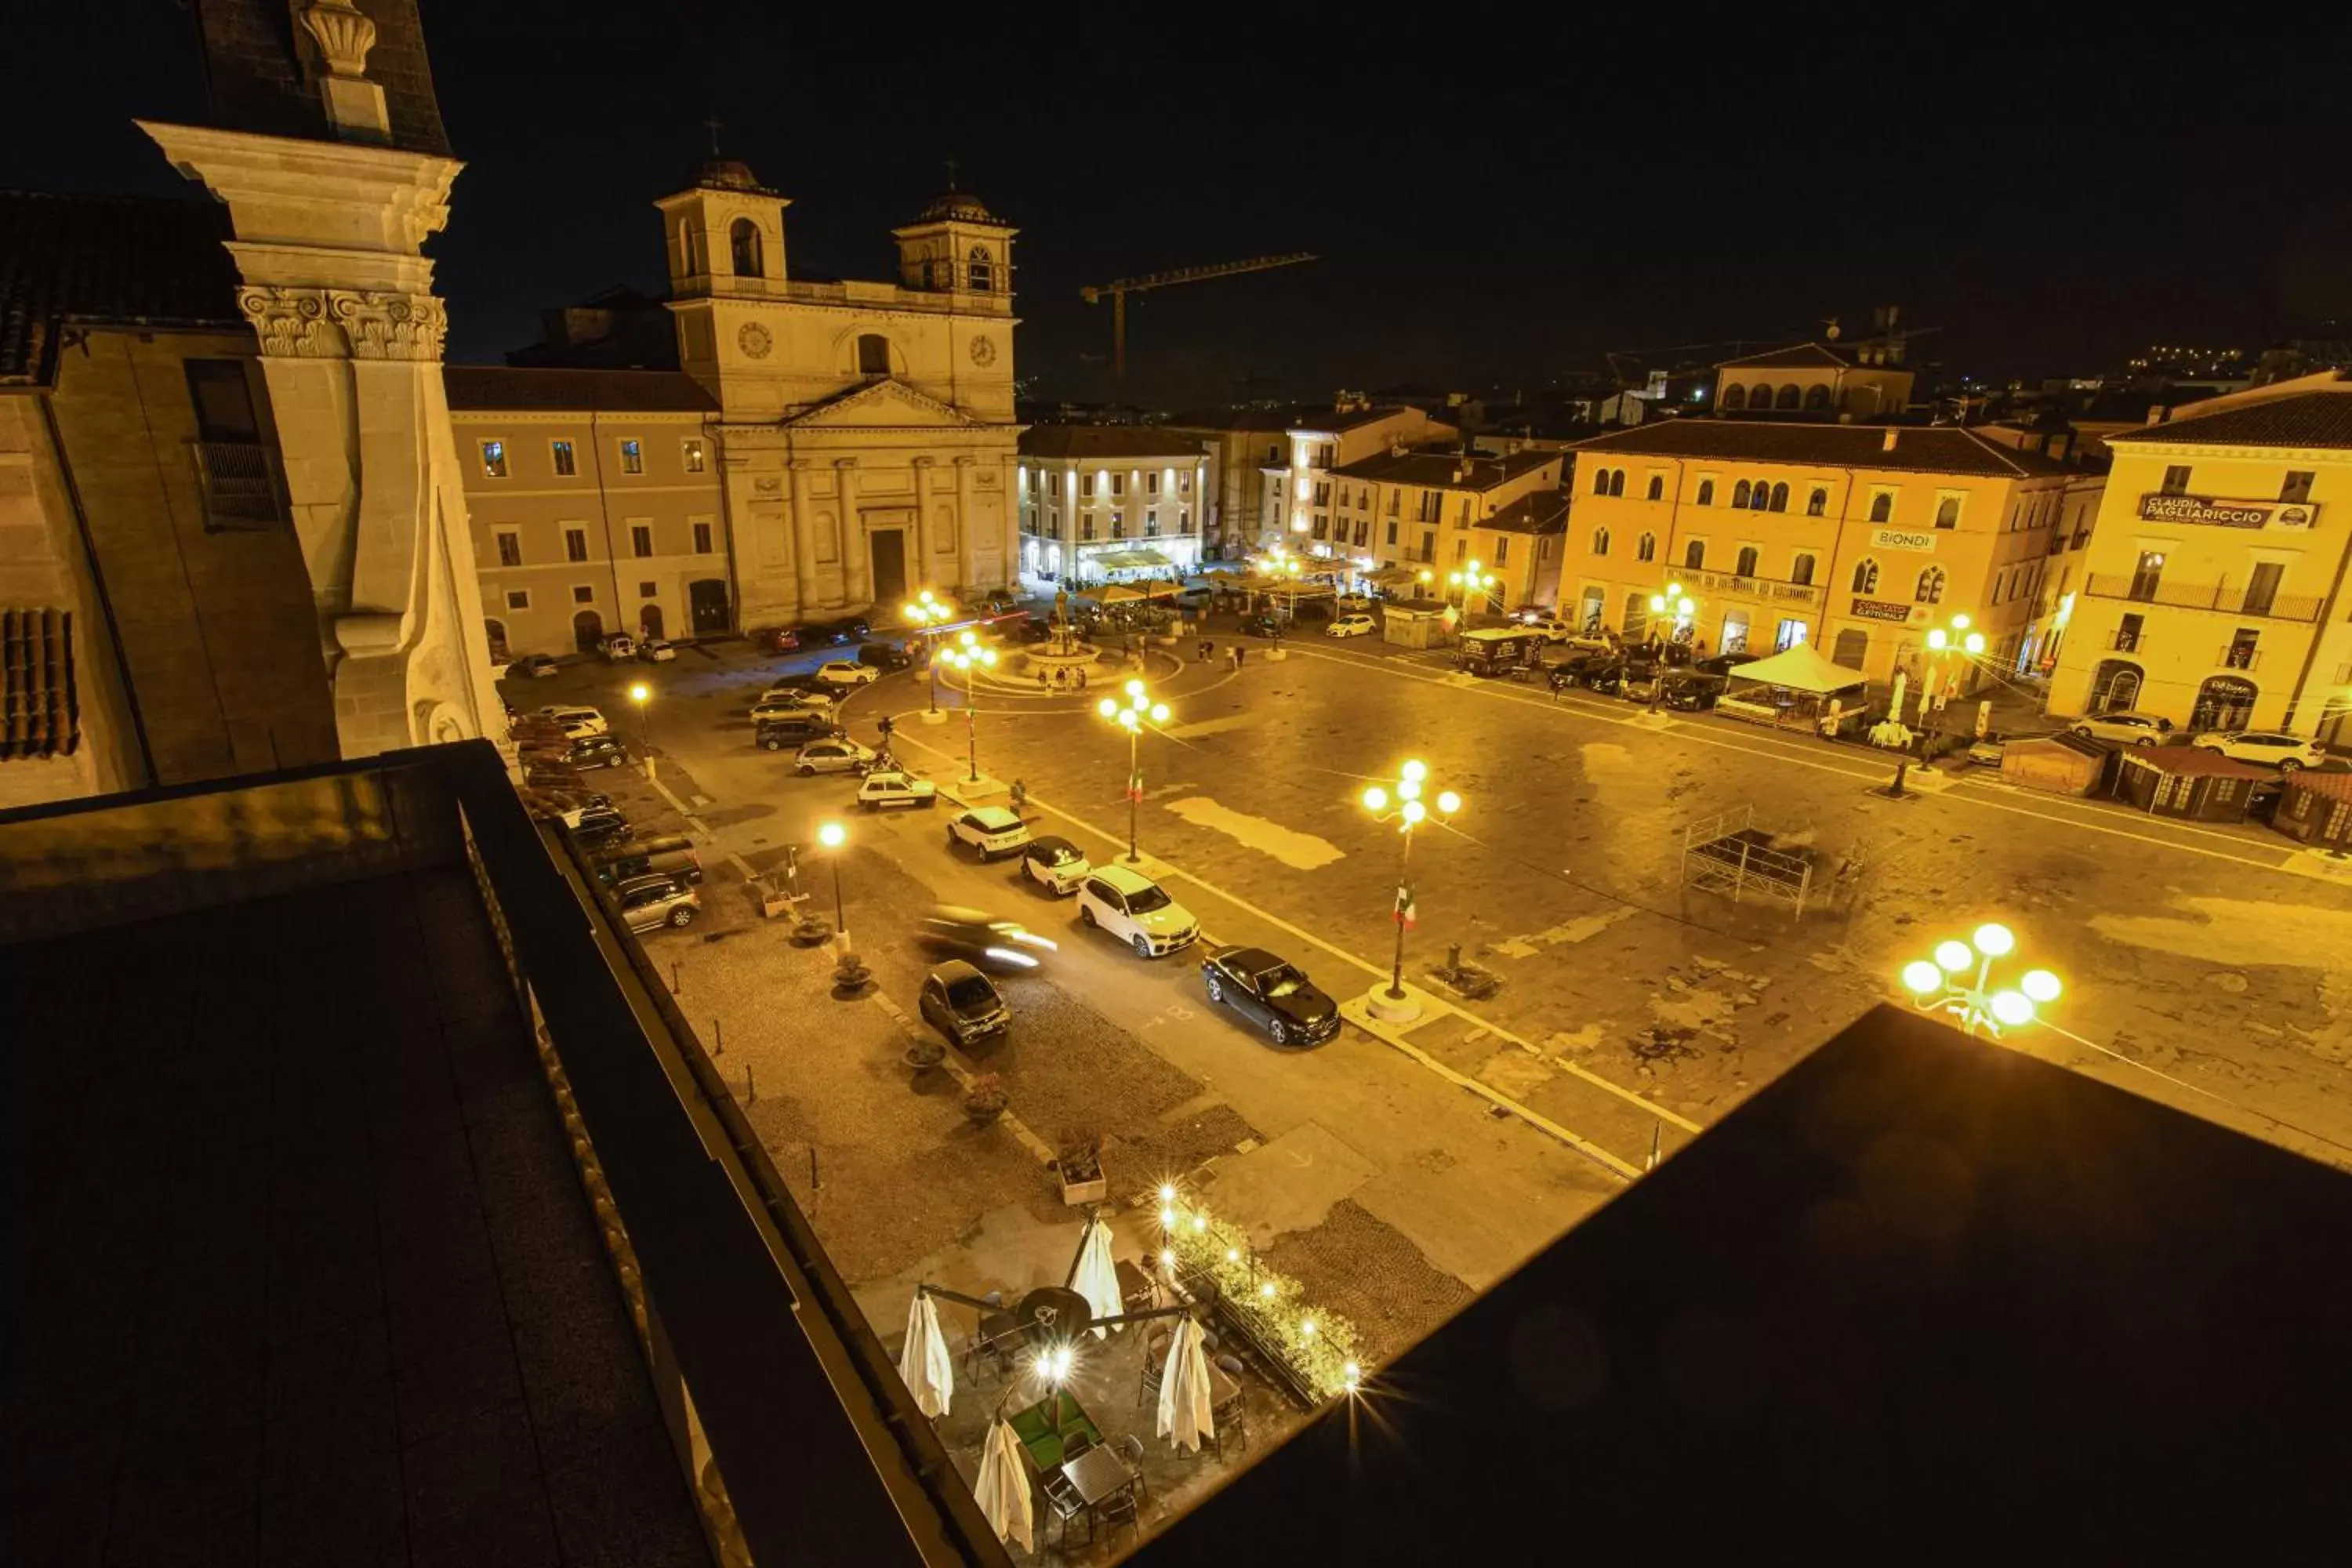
<point x="1799" y="668"/>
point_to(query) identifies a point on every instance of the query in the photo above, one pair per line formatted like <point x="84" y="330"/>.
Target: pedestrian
<point x="1240" y="654"/>
<point x="1233" y="656"/>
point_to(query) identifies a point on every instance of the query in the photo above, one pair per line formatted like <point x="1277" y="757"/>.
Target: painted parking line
<point x="1766" y="747"/>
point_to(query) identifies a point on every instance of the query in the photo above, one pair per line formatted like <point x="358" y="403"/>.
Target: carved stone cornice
<point x="844" y="462"/>
<point x="338" y="323"/>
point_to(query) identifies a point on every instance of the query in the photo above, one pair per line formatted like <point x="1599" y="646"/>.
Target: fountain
<point x="1061" y="662"/>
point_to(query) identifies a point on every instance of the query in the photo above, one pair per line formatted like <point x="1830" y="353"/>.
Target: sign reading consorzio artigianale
<point x="2226" y="513"/>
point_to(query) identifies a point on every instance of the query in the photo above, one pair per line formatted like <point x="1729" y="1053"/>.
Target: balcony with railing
<point x="1757" y="587"/>
<point x="2127" y="642"/>
<point x="2229" y="598"/>
<point x="240" y="484"/>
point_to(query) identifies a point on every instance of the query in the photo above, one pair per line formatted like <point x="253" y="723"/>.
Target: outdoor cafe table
<point x="1099" y="1475"/>
<point x="1040" y="1440"/>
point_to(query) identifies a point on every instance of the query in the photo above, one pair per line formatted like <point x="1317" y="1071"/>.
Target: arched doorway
<point x="706" y="602"/>
<point x="587" y="630"/>
<point x="2115" y="685"/>
<point x="498" y="633"/>
<point x="1589" y="613"/>
<point x="2223" y="702"/>
<point x="649" y="620"/>
<point x="1853" y="647"/>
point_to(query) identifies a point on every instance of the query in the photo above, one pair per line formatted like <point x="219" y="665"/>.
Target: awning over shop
<point x="1389" y="577"/>
<point x="1124" y="560"/>
<point x="1799" y="668"/>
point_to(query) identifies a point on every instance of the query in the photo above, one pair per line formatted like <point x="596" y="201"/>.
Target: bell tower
<point x="725" y="237"/>
<point x="956" y="247"/>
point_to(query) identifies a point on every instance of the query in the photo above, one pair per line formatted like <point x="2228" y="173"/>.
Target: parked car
<point x="599" y="826"/>
<point x="596" y="752"/>
<point x="1355" y="626"/>
<point x="2285" y="753"/>
<point x="1260" y="625"/>
<point x="962" y="1003"/>
<point x="1553" y="628"/>
<point x="975" y="936"/>
<point x="792" y="705"/>
<point x="775" y="639"/>
<point x="620" y="646"/>
<point x="1271" y="993"/>
<point x="650" y="901"/>
<point x="2124" y="729"/>
<point x="1138" y="910"/>
<point x="1056" y="863"/>
<point x="571" y="816"/>
<point x="534" y="666"/>
<point x="1036" y="628"/>
<point x="991" y="829"/>
<point x="823" y="634"/>
<point x="881" y="790"/>
<point x="1692" y="690"/>
<point x="885" y="656"/>
<point x="833" y="754"/>
<point x="575" y="719"/>
<point x="656" y="650"/>
<point x="664" y="856"/>
<point x="1721" y="664"/>
<point x="804" y="682"/>
<point x="778" y="730"/>
<point x="845" y="672"/>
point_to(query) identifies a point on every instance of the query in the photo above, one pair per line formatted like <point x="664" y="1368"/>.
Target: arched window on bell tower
<point x="979" y="273"/>
<point x="743" y="246"/>
<point x="873" y="354"/>
<point x="689" y="249"/>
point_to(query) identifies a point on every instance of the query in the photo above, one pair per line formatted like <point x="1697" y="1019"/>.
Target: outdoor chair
<point x="1130" y="1448"/>
<point x="1062" y="1501"/>
<point x="1073" y="1445"/>
<point x="1118" y="1510"/>
<point x="1155" y="1366"/>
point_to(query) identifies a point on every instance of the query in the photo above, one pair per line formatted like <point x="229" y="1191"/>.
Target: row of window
<point x="582" y="594"/>
<point x="1769" y="495"/>
<point x="1117" y="524"/>
<point x="2294" y="486"/>
<point x="693" y="455"/>
<point x="575" y="542"/>
<point x="1153" y="480"/>
<point x="1763" y="394"/>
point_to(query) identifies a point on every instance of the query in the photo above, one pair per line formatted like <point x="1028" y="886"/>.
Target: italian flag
<point x="1407" y="912"/>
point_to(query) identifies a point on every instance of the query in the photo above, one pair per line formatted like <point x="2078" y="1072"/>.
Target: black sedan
<point x="826" y="634"/>
<point x="1272" y="993"/>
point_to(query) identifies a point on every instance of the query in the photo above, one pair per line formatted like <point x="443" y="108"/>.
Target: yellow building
<point x="1861" y="381"/>
<point x="2215" y="590"/>
<point x="1854" y="538"/>
<point x="1400" y="513"/>
<point x="596" y="505"/>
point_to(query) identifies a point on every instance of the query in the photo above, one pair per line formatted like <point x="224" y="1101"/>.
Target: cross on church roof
<point x="713" y="127"/>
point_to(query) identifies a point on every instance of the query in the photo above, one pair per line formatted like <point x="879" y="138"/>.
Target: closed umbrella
<point x="925" y="1365"/>
<point x="1003" y="1486"/>
<point x="1098" y="1279"/>
<point x="1184" y="1400"/>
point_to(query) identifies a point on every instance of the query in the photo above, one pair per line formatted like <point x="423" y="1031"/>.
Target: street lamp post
<point x="832" y="836"/>
<point x="1471" y="580"/>
<point x="641" y="694"/>
<point x="1679" y="610"/>
<point x="1953" y="636"/>
<point x="1942" y="985"/>
<point x="928" y="613"/>
<point x="967" y="658"/>
<point x="1131" y="717"/>
<point x="1411" y="811"/>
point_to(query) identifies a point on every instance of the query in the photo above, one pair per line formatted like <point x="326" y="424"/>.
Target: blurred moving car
<point x="2126" y="727"/>
<point x="1260" y="625"/>
<point x="885" y="656"/>
<point x="1138" y="910"/>
<point x="656" y="650"/>
<point x="1054" y="863"/>
<point x="775" y="639"/>
<point x="618" y="647"/>
<point x="1355" y="626"/>
<point x="833" y="754"/>
<point x="534" y="666"/>
<point x="990" y="830"/>
<point x="1272" y="993"/>
<point x="975" y="936"/>
<point x="2284" y="751"/>
<point x="962" y="1003"/>
<point x="823" y="633"/>
<point x="881" y="790"/>
<point x="845" y="672"/>
<point x="647" y="902"/>
<point x="574" y="720"/>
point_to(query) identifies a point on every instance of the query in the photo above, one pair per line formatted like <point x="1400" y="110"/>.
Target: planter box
<point x="1076" y="1194"/>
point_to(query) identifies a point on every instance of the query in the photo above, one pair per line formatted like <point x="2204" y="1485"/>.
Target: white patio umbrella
<point x="1003" y="1486"/>
<point x="925" y="1365"/>
<point x="1098" y="1279"/>
<point x="1184" y="1390"/>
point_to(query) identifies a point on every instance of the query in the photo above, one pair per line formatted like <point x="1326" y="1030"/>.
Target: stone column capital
<point x="965" y="460"/>
<point x="844" y="462"/>
<point x="380" y="325"/>
<point x="925" y="460"/>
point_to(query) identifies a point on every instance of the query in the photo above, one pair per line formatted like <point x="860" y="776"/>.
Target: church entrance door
<point x="889" y="548"/>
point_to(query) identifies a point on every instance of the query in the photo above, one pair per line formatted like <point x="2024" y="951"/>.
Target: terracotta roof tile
<point x="135" y="260"/>
<point x="1438" y="470"/>
<point x="2307" y="419"/>
<point x="1930" y="449"/>
<point x="1105" y="441"/>
<point x="486" y="386"/>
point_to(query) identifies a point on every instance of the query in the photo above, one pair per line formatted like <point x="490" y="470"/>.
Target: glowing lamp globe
<point x="1921" y="976"/>
<point x="1937" y="640"/>
<point x="1135" y="688"/>
<point x="832" y="835"/>
<point x="1413" y="771"/>
<point x="2041" y="985"/>
<point x="1959" y="623"/>
<point x="1160" y="713"/>
<point x="2012" y="1007"/>
<point x="1994" y="940"/>
<point x="1167" y="1191"/>
<point x="1409" y="789"/>
<point x="1953" y="956"/>
<point x="1657" y="605"/>
<point x="1448" y="802"/>
<point x="1414" y="811"/>
<point x="1976" y="642"/>
<point x="1376" y="799"/>
<point x="1107" y="708"/>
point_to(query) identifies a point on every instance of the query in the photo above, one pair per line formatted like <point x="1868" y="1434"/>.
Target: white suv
<point x="1138" y="910"/>
<point x="2284" y="753"/>
<point x="991" y="829"/>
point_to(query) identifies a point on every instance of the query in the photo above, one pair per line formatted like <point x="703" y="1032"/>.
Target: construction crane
<point x="1120" y="289"/>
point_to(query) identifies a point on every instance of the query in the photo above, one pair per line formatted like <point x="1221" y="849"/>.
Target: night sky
<point x="1493" y="205"/>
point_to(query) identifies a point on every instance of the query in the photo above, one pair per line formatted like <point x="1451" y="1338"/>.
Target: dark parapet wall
<point x="262" y="70"/>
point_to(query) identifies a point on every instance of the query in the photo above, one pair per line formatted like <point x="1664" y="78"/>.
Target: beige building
<point x="1825" y="381"/>
<point x="865" y="430"/>
<point x="1435" y="512"/>
<point x="2214" y="585"/>
<point x="1272" y="467"/>
<point x="1854" y="538"/>
<point x="597" y="505"/>
<point x="1102" y="501"/>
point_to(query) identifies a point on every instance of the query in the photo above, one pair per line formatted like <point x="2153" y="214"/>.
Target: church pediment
<point x="885" y="404"/>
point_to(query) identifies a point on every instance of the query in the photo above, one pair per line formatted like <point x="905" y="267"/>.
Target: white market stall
<point x="1796" y="685"/>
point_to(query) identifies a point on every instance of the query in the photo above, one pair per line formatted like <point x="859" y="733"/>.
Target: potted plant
<point x="925" y="1052"/>
<point x="984" y="1100"/>
<point x="1080" y="1167"/>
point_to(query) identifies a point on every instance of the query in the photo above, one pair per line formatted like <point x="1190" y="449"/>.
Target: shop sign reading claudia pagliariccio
<point x="2213" y="513"/>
